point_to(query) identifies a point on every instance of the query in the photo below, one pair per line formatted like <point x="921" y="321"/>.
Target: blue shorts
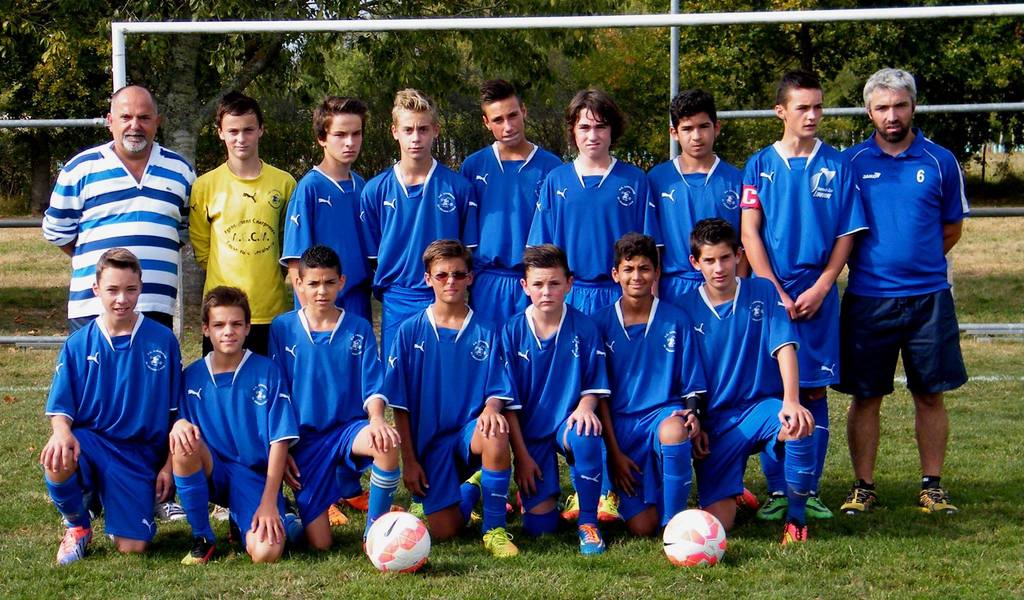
<point x="545" y="453"/>
<point x="589" y="298"/>
<point x="397" y="305"/>
<point x="720" y="474"/>
<point x="124" y="477"/>
<point x="327" y="468"/>
<point x="671" y="288"/>
<point x="874" y="332"/>
<point x="497" y="296"/>
<point x="239" y="489"/>
<point x="818" y="353"/>
<point x="447" y="462"/>
<point x="638" y="438"/>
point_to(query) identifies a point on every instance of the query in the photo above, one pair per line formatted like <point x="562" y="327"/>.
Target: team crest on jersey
<point x="274" y="198"/>
<point x="446" y="202"/>
<point x="260" y="394"/>
<point x="575" y="346"/>
<point x="670" y="341"/>
<point x="481" y="350"/>
<point x="626" y="196"/>
<point x="821" y="184"/>
<point x="156" y="360"/>
<point x="756" y="310"/>
<point x="357" y="345"/>
<point x="731" y="200"/>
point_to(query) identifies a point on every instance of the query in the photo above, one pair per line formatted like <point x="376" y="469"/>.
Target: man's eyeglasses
<point x="444" y="275"/>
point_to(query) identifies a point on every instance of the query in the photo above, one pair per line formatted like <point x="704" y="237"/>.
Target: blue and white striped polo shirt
<point x="97" y="204"/>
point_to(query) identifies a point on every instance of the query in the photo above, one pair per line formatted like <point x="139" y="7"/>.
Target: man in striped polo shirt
<point x="130" y="193"/>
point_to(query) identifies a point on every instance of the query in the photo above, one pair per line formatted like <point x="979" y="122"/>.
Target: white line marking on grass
<point x="980" y="378"/>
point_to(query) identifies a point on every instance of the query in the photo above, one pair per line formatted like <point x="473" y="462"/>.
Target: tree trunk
<point x="40" y="159"/>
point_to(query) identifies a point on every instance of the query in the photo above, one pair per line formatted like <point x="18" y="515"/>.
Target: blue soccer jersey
<point x="681" y="202"/>
<point x="738" y="341"/>
<point x="323" y="211"/>
<point x="400" y="221"/>
<point x="443" y="377"/>
<point x="650" y="366"/>
<point x="586" y="219"/>
<point x="550" y="376"/>
<point x="907" y="199"/>
<point x="332" y="374"/>
<point x="124" y="388"/>
<point x="507" y="192"/>
<point x="804" y="210"/>
<point x="240" y="414"/>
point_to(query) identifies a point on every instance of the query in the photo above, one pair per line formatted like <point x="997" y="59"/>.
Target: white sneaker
<point x="169" y="511"/>
<point x="219" y="513"/>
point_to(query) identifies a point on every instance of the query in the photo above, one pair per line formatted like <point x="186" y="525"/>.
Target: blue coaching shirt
<point x="240" y="414"/>
<point x="331" y="374"/>
<point x="907" y="200"/>
<point x="805" y="209"/>
<point x="443" y="377"/>
<point x="738" y="341"/>
<point x="400" y="221"/>
<point x="323" y="211"/>
<point x="123" y="388"/>
<point x="650" y="366"/>
<point x="586" y="218"/>
<point x="682" y="200"/>
<point x="507" y="192"/>
<point x="550" y="376"/>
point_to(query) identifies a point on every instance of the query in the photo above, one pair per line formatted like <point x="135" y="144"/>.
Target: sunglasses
<point x="444" y="275"/>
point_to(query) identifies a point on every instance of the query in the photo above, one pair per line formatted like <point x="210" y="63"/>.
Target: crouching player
<point x="446" y="381"/>
<point x="230" y="444"/>
<point x="754" y="404"/>
<point x="556" y="364"/>
<point x="656" y="378"/>
<point x="115" y="388"/>
<point x="329" y="360"/>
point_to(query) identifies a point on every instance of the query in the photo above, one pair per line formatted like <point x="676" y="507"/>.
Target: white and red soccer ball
<point x="694" y="538"/>
<point x="398" y="542"/>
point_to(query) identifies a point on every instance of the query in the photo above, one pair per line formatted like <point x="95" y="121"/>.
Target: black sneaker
<point x="860" y="500"/>
<point x="201" y="553"/>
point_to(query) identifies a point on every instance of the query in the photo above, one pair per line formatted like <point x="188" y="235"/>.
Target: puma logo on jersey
<point x="291" y="350"/>
<point x="392" y="204"/>
<point x="483" y="177"/>
<point x="294" y="219"/>
<point x="700" y="329"/>
<point x="326" y="201"/>
<point x="197" y="393"/>
<point x="561" y="193"/>
<point x="249" y="196"/>
<point x="392" y="361"/>
<point x="524" y="355"/>
<point x="419" y="347"/>
<point x="670" y="195"/>
<point x="93" y="358"/>
<point x="610" y="346"/>
<point x="831" y="370"/>
<point x="769" y="176"/>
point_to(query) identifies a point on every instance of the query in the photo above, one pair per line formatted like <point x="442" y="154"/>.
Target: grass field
<point x="896" y="552"/>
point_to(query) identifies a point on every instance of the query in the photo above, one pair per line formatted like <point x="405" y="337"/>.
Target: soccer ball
<point x="694" y="538"/>
<point x="398" y="542"/>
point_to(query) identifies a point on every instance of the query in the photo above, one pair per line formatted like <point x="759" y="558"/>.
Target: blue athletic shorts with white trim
<point x="720" y="474"/>
<point x="638" y="439"/>
<point x="397" y="305"/>
<point x="818" y="353"/>
<point x="671" y="288"/>
<point x="124" y="477"/>
<point x="545" y="453"/>
<point x="239" y="489"/>
<point x="874" y="332"/>
<point x="447" y="462"/>
<point x="327" y="468"/>
<point x="588" y="298"/>
<point x="497" y="296"/>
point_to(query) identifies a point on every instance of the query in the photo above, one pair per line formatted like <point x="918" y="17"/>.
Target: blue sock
<point x="799" y="466"/>
<point x="774" y="472"/>
<point x="606" y="479"/>
<point x="194" y="493"/>
<point x="494" y="486"/>
<point x="675" y="467"/>
<point x="67" y="498"/>
<point x="294" y="532"/>
<point x="588" y="472"/>
<point x="470" y="494"/>
<point x="383" y="485"/>
<point x="536" y="525"/>
<point x="819" y="410"/>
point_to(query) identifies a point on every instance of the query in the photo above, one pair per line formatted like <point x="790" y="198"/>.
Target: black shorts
<point x="258" y="340"/>
<point x="873" y="332"/>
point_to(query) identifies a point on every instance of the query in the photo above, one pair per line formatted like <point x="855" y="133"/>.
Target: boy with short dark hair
<point x="237" y="218"/>
<point x="695" y="185"/>
<point x="556" y="364"/>
<point x="656" y="381"/>
<point x="324" y="210"/>
<point x="446" y="381"/>
<point x="749" y="351"/>
<point x="230" y="443"/>
<point x="329" y="360"/>
<point x="507" y="176"/>
<point x="114" y="390"/>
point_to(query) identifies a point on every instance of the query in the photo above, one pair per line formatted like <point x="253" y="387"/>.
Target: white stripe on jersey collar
<point x="305" y="324"/>
<point x="106" y="334"/>
<point x="707" y="178"/>
<point x="336" y="183"/>
<point x="401" y="182"/>
<point x="575" y="169"/>
<point x="497" y="157"/>
<point x="533" y="329"/>
<point x="707" y="301"/>
<point x="433" y="324"/>
<point x="208" y="359"/>
<point x="650" y="318"/>
<point x="777" y="146"/>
